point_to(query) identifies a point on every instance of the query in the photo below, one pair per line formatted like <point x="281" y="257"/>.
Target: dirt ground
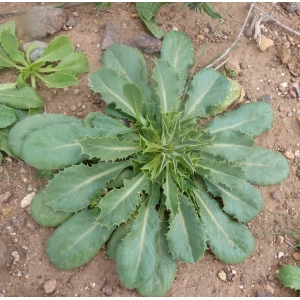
<point x="262" y="73"/>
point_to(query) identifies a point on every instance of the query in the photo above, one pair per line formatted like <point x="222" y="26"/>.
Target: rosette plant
<point x="161" y="187"/>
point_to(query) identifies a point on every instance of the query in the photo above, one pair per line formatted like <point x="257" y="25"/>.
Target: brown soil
<point x="262" y="74"/>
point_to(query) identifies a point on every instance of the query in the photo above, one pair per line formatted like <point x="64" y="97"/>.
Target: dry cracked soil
<point x="271" y="75"/>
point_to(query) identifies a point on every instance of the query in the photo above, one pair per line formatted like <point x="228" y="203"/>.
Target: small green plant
<point x="58" y="67"/>
<point x="174" y="185"/>
<point x="206" y="7"/>
<point x="229" y="72"/>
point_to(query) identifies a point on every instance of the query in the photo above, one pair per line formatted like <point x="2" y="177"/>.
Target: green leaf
<point x="165" y="76"/>
<point x="229" y="240"/>
<point x="9" y="26"/>
<point x="110" y="84"/>
<point x="127" y="174"/>
<point x="76" y="241"/>
<point x="1" y="157"/>
<point x="43" y="214"/>
<point x="134" y="97"/>
<point x="265" y="167"/>
<point x="23" y="98"/>
<point x="101" y="5"/>
<point x="6" y="86"/>
<point x="186" y="237"/>
<point x="164" y="274"/>
<point x="5" y="60"/>
<point x="242" y="203"/>
<point x="116" y="239"/>
<point x="72" y="189"/>
<point x="4" y="142"/>
<point x="252" y="118"/>
<point x="207" y="7"/>
<point x="107" y="123"/>
<point x="208" y="88"/>
<point x="56" y="146"/>
<point x="75" y="64"/>
<point x="171" y="193"/>
<point x="289" y="276"/>
<point x="23" y="128"/>
<point x="59" y="80"/>
<point x="10" y="44"/>
<point x="108" y="148"/>
<point x="232" y="145"/>
<point x="57" y="49"/>
<point x="7" y="116"/>
<point x="137" y="257"/>
<point x="178" y="49"/>
<point x="117" y="205"/>
<point x="223" y="172"/>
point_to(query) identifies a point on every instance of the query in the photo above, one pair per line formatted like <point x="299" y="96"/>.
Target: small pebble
<point x="297" y="153"/>
<point x="280" y="255"/>
<point x="49" y="286"/>
<point x="222" y="275"/>
<point x="292" y="93"/>
<point x="107" y="290"/>
<point x="6" y="211"/>
<point x="289" y="114"/>
<point x="263" y="294"/>
<point x="75" y="14"/>
<point x="280" y="239"/>
<point x="76" y="92"/>
<point x="27" y="200"/>
<point x="289" y="154"/>
<point x="269" y="289"/>
<point x="276" y="196"/>
<point x="8" y="159"/>
<point x="65" y="89"/>
<point x="30" y="225"/>
<point x="266" y="98"/>
<point x="296" y="255"/>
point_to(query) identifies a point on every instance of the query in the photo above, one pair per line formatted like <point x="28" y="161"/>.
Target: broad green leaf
<point x="23" y="128"/>
<point x="76" y="241"/>
<point x="289" y="276"/>
<point x="265" y="167"/>
<point x="186" y="237"/>
<point x="23" y="98"/>
<point x="88" y="121"/>
<point x="116" y="239"/>
<point x="75" y="64"/>
<point x="10" y="26"/>
<point x="57" y="49"/>
<point x="73" y="189"/>
<point x="172" y="194"/>
<point x="134" y="97"/>
<point x="43" y="214"/>
<point x="4" y="142"/>
<point x="231" y="98"/>
<point x="56" y="146"/>
<point x="10" y="44"/>
<point x="252" y="118"/>
<point x="242" y="203"/>
<point x="108" y="148"/>
<point x="126" y="61"/>
<point x="7" y="116"/>
<point x="229" y="240"/>
<point x="118" y="205"/>
<point x="35" y="111"/>
<point x="208" y="88"/>
<point x="59" y="80"/>
<point x="112" y="111"/>
<point x="232" y="145"/>
<point x="110" y="83"/>
<point x="6" y="86"/>
<point x="178" y="49"/>
<point x="137" y="257"/>
<point x="164" y="274"/>
<point x="127" y="174"/>
<point x="5" y="60"/>
<point x="165" y="76"/>
<point x="223" y="172"/>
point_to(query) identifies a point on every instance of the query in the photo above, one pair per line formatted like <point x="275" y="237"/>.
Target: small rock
<point x="107" y="290"/>
<point x="75" y="14"/>
<point x="266" y="98"/>
<point x="18" y="222"/>
<point x="4" y="255"/>
<point x="280" y="239"/>
<point x="8" y="159"/>
<point x="72" y="22"/>
<point x="5" y="197"/>
<point x="290" y="114"/>
<point x="79" y="114"/>
<point x="234" y="65"/>
<point x="276" y="196"/>
<point x="292" y="93"/>
<point x="249" y="33"/>
<point x="146" y="43"/>
<point x="30" y="225"/>
<point x="280" y="255"/>
<point x="263" y="294"/>
<point x="49" y="286"/>
<point x="6" y="211"/>
<point x="222" y="275"/>
<point x="65" y="89"/>
<point x="37" y="52"/>
<point x="291" y="6"/>
<point x="135" y="16"/>
<point x="289" y="154"/>
<point x="200" y="37"/>
<point x="296" y="255"/>
<point x="269" y="289"/>
<point x="112" y="34"/>
<point x="65" y="28"/>
<point x="76" y="92"/>
<point x="27" y="200"/>
<point x="265" y="43"/>
<point x="284" y="54"/>
<point x="297" y="153"/>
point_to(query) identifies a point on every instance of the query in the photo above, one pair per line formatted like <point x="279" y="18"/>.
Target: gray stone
<point x="4" y="255"/>
<point x="37" y="52"/>
<point x="266" y="98"/>
<point x="72" y="22"/>
<point x="263" y="294"/>
<point x="112" y="35"/>
<point x="146" y="43"/>
<point x="42" y="20"/>
<point x="49" y="286"/>
<point x="107" y="290"/>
